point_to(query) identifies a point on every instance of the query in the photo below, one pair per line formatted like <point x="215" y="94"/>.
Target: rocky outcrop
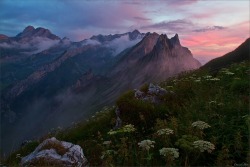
<point x="153" y="94"/>
<point x="118" y="122"/>
<point x="53" y="152"/>
<point x="156" y="90"/>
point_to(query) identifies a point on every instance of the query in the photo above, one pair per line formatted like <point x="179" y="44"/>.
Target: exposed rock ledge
<point x="53" y="152"/>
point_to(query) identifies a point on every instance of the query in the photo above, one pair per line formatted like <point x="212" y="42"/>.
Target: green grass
<point x="220" y="99"/>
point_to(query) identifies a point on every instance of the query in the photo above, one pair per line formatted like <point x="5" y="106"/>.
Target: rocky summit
<point x="30" y="31"/>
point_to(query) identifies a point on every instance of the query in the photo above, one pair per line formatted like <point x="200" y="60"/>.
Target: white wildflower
<point x="18" y="156"/>
<point x="215" y="79"/>
<point x="165" y="131"/>
<point x="212" y="102"/>
<point x="107" y="142"/>
<point x="172" y="152"/>
<point x="146" y="144"/>
<point x="128" y="128"/>
<point x="125" y="129"/>
<point x="207" y="76"/>
<point x="229" y="73"/>
<point x="197" y="80"/>
<point x="220" y="104"/>
<point x="112" y="132"/>
<point x="204" y="146"/>
<point x="201" y="125"/>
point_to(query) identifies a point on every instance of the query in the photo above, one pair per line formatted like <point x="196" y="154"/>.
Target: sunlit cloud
<point x="207" y="28"/>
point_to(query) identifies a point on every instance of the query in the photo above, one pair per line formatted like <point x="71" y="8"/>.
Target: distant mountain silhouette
<point x="240" y="54"/>
<point x="30" y="31"/>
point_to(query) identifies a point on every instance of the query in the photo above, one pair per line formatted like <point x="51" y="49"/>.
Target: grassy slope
<point x="223" y="103"/>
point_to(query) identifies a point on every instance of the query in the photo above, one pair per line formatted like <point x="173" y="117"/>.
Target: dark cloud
<point x="177" y="3"/>
<point x="209" y="29"/>
<point x="132" y="2"/>
<point x="142" y="18"/>
<point x="67" y="17"/>
<point x="179" y="25"/>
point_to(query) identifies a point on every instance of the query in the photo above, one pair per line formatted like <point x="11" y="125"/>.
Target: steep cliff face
<point x="155" y="58"/>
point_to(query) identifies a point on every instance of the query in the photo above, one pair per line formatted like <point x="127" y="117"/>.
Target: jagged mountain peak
<point x="107" y="38"/>
<point x="30" y="32"/>
<point x="136" y="31"/>
<point x="175" y="40"/>
<point x="134" y="34"/>
<point x="28" y="29"/>
<point x="163" y="43"/>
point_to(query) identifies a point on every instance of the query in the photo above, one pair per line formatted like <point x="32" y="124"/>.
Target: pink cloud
<point x="211" y="44"/>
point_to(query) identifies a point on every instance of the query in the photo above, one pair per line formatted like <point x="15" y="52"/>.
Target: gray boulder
<point x="52" y="152"/>
<point x="153" y="94"/>
<point x="118" y="123"/>
<point x="139" y="94"/>
<point x="156" y="90"/>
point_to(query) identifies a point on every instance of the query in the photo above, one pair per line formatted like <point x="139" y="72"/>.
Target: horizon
<point x="208" y="29"/>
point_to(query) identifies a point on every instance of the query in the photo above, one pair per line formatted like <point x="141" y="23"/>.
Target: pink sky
<point x="209" y="28"/>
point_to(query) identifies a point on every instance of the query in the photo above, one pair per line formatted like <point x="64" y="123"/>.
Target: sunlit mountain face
<point x="62" y="61"/>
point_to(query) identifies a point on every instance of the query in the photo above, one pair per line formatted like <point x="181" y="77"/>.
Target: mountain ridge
<point x="242" y="52"/>
<point x="53" y="76"/>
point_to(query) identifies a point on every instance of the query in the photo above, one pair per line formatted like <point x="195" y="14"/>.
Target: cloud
<point x="181" y="2"/>
<point x="141" y="18"/>
<point x="37" y="44"/>
<point x="122" y="43"/>
<point x="179" y="25"/>
<point x="210" y="29"/>
<point x="90" y="42"/>
<point x="75" y="15"/>
<point x="132" y="2"/>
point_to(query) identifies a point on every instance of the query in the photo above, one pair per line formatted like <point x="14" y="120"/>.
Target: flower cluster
<point x="214" y="79"/>
<point x="18" y="156"/>
<point x="172" y="152"/>
<point x="201" y="125"/>
<point x="112" y="132"/>
<point x="125" y="129"/>
<point x="207" y="76"/>
<point x="227" y="72"/>
<point x="204" y="146"/>
<point x="106" y="142"/>
<point x="129" y="128"/>
<point x="146" y="144"/>
<point x="165" y="131"/>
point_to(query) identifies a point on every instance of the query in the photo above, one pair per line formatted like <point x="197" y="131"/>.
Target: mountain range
<point x="48" y="82"/>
